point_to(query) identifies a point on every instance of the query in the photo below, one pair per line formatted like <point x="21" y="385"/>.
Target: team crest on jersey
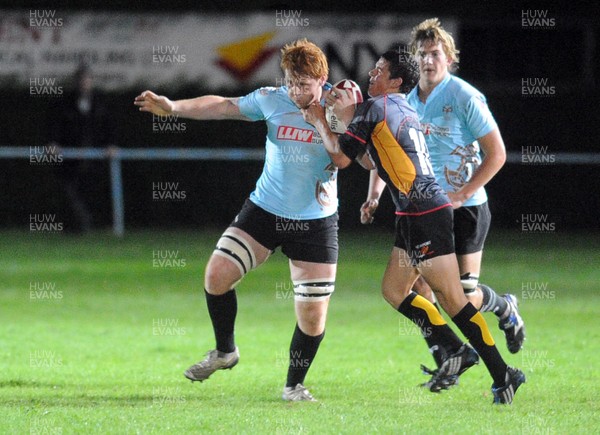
<point x="469" y="162"/>
<point x="326" y="192"/>
<point x="447" y="110"/>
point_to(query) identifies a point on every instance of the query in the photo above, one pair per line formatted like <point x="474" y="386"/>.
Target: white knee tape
<point x="313" y="290"/>
<point x="238" y="250"/>
<point x="469" y="282"/>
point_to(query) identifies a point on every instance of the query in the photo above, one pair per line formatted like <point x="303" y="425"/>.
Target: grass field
<point x="96" y="333"/>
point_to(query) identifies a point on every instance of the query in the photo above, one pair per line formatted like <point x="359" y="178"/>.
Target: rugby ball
<point x="333" y="119"/>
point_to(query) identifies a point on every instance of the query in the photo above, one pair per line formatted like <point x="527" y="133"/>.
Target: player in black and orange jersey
<point x="385" y="136"/>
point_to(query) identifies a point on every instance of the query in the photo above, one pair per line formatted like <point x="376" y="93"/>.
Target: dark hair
<point x="402" y="65"/>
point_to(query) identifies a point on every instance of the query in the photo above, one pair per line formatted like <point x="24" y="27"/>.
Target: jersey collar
<point x="439" y="88"/>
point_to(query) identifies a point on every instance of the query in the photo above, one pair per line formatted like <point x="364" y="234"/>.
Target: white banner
<point x="126" y="50"/>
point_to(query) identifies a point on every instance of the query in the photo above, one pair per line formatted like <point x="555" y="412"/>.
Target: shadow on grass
<point x="18" y="393"/>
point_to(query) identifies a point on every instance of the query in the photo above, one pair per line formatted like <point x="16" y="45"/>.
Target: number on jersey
<point x="421" y="148"/>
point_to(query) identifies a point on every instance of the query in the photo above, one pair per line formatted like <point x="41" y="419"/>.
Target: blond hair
<point x="432" y="30"/>
<point x="303" y="58"/>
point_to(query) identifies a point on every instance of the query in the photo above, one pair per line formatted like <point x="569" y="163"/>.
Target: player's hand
<point x="342" y="103"/>
<point x="367" y="210"/>
<point x="339" y="98"/>
<point x="148" y="101"/>
<point x="314" y="114"/>
<point x="457" y="199"/>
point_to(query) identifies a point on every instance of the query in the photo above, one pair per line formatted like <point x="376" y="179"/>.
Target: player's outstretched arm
<point x="315" y="115"/>
<point x="148" y="101"/>
<point x="202" y="108"/>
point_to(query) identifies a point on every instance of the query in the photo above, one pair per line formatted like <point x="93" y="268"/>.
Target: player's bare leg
<point x="441" y="273"/>
<point x="313" y="285"/>
<point x="398" y="278"/>
<point x="469" y="263"/>
<point x="421" y="287"/>
<point x="236" y="254"/>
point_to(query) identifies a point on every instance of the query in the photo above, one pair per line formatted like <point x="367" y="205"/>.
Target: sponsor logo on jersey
<point x="436" y="130"/>
<point x="286" y="132"/>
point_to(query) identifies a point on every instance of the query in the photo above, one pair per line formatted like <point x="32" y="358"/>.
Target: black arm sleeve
<point x="354" y="141"/>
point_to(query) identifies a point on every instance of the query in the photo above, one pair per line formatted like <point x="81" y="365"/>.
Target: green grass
<point x="103" y="350"/>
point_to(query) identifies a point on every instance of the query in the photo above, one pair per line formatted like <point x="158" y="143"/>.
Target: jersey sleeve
<point x="255" y="105"/>
<point x="354" y="141"/>
<point x="478" y="117"/>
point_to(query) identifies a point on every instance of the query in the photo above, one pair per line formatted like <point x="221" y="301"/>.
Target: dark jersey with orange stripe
<point x="388" y="129"/>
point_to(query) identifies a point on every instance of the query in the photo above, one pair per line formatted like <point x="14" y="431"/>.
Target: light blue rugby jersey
<point x="454" y="116"/>
<point x="298" y="179"/>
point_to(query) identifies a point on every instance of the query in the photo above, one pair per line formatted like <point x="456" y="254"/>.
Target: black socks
<point x="303" y="349"/>
<point x="222" y="310"/>
<point x="473" y="325"/>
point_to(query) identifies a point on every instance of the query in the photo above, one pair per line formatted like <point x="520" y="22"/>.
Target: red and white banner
<point x="127" y="50"/>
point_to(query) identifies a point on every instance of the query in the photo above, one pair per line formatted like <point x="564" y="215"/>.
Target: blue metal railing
<point x="115" y="155"/>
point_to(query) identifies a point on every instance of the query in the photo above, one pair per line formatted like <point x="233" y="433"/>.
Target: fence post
<point x="116" y="183"/>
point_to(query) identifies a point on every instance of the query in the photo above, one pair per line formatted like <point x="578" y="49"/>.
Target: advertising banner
<point x="221" y="51"/>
